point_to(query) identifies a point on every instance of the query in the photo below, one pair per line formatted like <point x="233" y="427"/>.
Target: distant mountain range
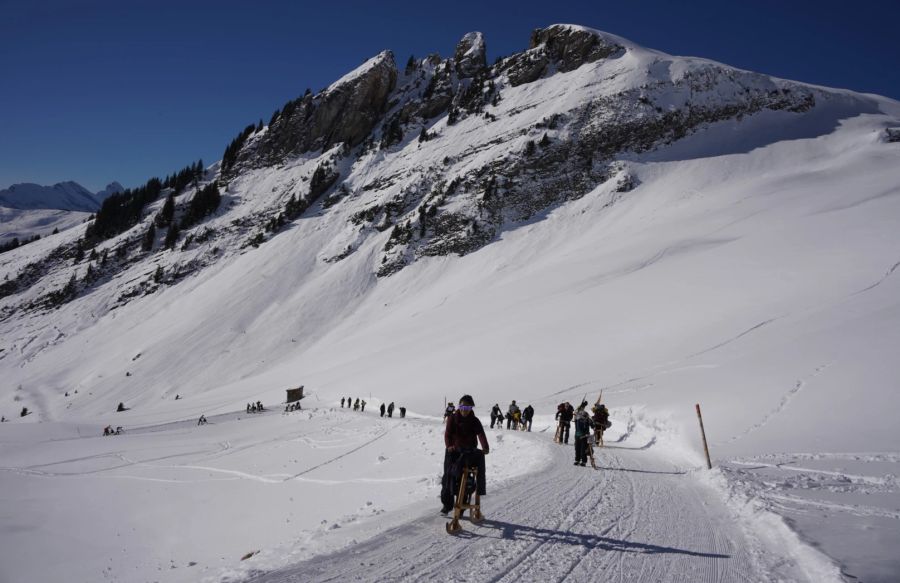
<point x="67" y="196"/>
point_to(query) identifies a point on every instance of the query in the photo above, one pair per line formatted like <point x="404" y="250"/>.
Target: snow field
<point x="180" y="502"/>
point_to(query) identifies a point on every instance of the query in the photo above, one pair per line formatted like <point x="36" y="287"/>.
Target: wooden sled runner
<point x="590" y="451"/>
<point x="467" y="490"/>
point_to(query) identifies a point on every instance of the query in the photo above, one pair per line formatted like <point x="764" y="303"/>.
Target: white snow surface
<point x="754" y="270"/>
<point x="24" y="224"/>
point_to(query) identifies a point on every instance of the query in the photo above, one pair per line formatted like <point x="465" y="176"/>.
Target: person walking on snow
<point x="564" y="414"/>
<point x="495" y="412"/>
<point x="512" y="414"/>
<point x="356" y="404"/>
<point x="527" y="415"/>
<point x="461" y="436"/>
<point x="582" y="433"/>
<point x="391" y="409"/>
<point x="342" y="402"/>
<point x="601" y="421"/>
<point x="449" y="410"/>
<point x="382" y="409"/>
<point x="362" y="406"/>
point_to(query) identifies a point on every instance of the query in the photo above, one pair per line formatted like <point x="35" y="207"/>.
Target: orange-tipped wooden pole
<point x="703" y="433"/>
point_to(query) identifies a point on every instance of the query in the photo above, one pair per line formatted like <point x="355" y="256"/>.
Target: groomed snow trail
<point x="639" y="518"/>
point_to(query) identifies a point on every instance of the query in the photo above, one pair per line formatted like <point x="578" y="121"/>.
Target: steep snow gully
<point x="647" y="514"/>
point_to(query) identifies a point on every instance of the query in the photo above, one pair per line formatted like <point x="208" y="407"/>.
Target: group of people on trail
<point x="463" y="431"/>
<point x="357" y="405"/>
<point x="256" y="407"/>
<point x="360" y="405"/>
<point x="598" y="421"/>
<point x="290" y="407"/>
<point x="108" y="430"/>
<point x="516" y="419"/>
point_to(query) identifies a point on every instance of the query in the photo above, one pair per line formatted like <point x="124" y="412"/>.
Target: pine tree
<point x="165" y="216"/>
<point x="172" y="235"/>
<point x="149" y="237"/>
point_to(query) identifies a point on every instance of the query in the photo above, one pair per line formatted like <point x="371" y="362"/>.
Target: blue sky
<point x="95" y="91"/>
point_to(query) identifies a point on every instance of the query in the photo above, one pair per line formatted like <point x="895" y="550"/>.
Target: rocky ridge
<point x="437" y="158"/>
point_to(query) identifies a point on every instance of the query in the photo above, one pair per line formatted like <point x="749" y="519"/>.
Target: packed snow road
<point x="640" y="517"/>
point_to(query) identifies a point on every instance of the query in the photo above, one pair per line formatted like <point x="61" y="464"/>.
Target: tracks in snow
<point x="639" y="518"/>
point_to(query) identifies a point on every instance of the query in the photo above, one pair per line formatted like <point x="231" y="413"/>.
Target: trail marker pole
<point x="703" y="433"/>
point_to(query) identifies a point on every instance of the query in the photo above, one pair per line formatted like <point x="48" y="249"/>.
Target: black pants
<point x="564" y="431"/>
<point x="493" y="420"/>
<point x="453" y="466"/>
<point x="581" y="449"/>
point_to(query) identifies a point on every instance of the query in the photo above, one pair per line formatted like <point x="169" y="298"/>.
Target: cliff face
<point x="346" y="112"/>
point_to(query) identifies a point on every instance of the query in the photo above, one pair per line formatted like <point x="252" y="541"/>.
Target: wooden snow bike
<point x="590" y="451"/>
<point x="467" y="489"/>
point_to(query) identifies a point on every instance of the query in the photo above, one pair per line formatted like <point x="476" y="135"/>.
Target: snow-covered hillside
<point x="594" y="217"/>
<point x="29" y="210"/>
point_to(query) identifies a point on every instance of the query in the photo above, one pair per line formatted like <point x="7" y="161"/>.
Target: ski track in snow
<point x="730" y="340"/>
<point x="785" y="400"/>
<point x="638" y="518"/>
<point x="887" y="274"/>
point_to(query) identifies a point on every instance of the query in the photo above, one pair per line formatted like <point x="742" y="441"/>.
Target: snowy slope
<point x="751" y="269"/>
<point x="25" y="224"/>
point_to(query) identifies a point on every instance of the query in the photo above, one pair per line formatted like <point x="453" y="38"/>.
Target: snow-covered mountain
<point x="69" y="196"/>
<point x="29" y="210"/>
<point x="587" y="215"/>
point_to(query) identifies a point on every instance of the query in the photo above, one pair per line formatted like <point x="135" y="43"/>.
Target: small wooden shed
<point x="294" y="394"/>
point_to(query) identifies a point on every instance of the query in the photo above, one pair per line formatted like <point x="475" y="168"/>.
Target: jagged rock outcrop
<point x="471" y="55"/>
<point x="346" y="112"/>
<point x="567" y="47"/>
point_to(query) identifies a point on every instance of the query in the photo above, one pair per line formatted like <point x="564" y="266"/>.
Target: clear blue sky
<point x="95" y="91"/>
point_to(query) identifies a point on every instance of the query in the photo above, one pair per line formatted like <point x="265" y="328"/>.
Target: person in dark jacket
<point x="527" y="415"/>
<point x="390" y="409"/>
<point x="382" y="409"/>
<point x="601" y="421"/>
<point x="495" y="413"/>
<point x="582" y="433"/>
<point x="461" y="436"/>
<point x="342" y="402"/>
<point x="564" y="414"/>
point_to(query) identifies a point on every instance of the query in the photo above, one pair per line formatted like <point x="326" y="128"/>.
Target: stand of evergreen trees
<point x="231" y="152"/>
<point x="180" y="180"/>
<point x="15" y="243"/>
<point x="122" y="211"/>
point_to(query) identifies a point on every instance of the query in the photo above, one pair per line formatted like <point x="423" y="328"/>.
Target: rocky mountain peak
<point x="347" y="111"/>
<point x="564" y="46"/>
<point x="470" y="56"/>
